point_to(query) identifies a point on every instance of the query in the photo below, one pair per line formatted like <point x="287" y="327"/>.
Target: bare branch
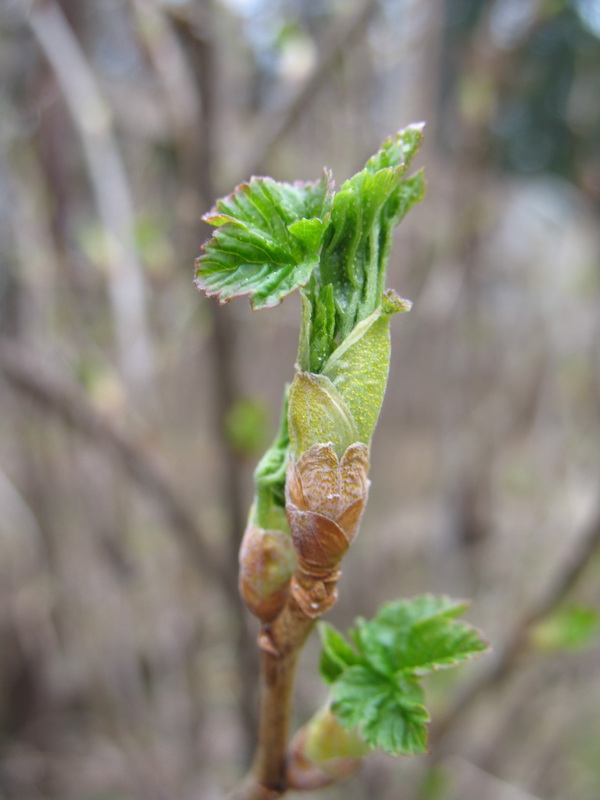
<point x="558" y="587"/>
<point x="282" y="643"/>
<point x="277" y="125"/>
<point x="63" y="399"/>
<point x="109" y="183"/>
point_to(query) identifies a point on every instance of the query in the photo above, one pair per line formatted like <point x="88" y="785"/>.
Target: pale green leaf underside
<point x="318" y="415"/>
<point x="359" y="367"/>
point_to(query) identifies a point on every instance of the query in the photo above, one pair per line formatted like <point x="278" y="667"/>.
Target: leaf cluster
<point x="374" y="677"/>
<point x="272" y="238"/>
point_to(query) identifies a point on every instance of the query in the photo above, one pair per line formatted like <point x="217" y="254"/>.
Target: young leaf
<point x="337" y="655"/>
<point x="267" y="240"/>
<point x="374" y="685"/>
<point x="317" y="331"/>
<point x="398" y="150"/>
<point x="358" y="240"/>
<point x="388" y="713"/>
<point x="318" y="415"/>
<point x="269" y="478"/>
<point x="417" y="637"/>
<point x="359" y="367"/>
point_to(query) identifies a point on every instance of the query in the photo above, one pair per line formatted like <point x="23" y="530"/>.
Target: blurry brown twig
<point x="566" y="575"/>
<point x="193" y="25"/>
<point x="56" y="394"/>
<point x="107" y="174"/>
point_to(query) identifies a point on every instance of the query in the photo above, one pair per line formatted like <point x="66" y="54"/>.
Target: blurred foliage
<point x="543" y="109"/>
<point x="246" y="425"/>
<point x="568" y="629"/>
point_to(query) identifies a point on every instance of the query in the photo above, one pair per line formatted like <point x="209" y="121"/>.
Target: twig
<point x="488" y="785"/>
<point x="56" y="394"/>
<point x="565" y="577"/>
<point x="109" y="183"/>
<point x="283" y="643"/>
<point x="193" y="26"/>
<point x="278" y="124"/>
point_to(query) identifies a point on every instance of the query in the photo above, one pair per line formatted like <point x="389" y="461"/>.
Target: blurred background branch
<point x="29" y="375"/>
<point x="129" y="665"/>
<point x="93" y="120"/>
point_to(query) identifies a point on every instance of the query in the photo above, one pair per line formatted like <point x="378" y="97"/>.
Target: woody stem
<point x="282" y="643"/>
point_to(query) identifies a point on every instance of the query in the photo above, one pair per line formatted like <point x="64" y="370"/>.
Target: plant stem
<point x="281" y="645"/>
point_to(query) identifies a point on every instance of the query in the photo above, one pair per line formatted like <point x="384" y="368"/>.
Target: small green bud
<point x="326" y="739"/>
<point x="322" y="752"/>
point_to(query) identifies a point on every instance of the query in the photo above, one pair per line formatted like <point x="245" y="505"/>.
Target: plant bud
<point x="267" y="562"/>
<point x="325" y="498"/>
<point x="359" y="367"/>
<point x="317" y="413"/>
<point x="323" y="752"/>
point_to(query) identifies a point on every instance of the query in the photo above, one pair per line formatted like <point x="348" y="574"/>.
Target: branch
<point x="93" y="121"/>
<point x="281" y="645"/>
<point x="57" y="395"/>
<point x="278" y="124"/>
<point x="566" y="575"/>
<point x="193" y="25"/>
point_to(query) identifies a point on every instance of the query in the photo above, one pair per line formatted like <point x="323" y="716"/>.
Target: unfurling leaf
<point x="375" y="680"/>
<point x="359" y="367"/>
<point x="358" y="240"/>
<point x="267" y="241"/>
<point x="318" y="414"/>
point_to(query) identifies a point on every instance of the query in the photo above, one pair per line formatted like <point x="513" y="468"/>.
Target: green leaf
<point x="336" y="655"/>
<point x="417" y="636"/>
<point x="317" y="329"/>
<point x="318" y="415"/>
<point x="358" y="240"/>
<point x="398" y="150"/>
<point x="309" y="232"/>
<point x="269" y="478"/>
<point x="388" y="714"/>
<point x="375" y="684"/>
<point x="267" y="240"/>
<point x="359" y="367"/>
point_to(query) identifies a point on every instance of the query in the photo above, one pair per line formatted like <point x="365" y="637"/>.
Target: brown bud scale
<point x="325" y="498"/>
<point x="267" y="562"/>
